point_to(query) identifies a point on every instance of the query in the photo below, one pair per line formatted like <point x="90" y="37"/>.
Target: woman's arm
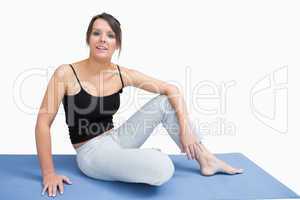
<point x="47" y="112"/>
<point x="137" y="79"/>
<point x="145" y="82"/>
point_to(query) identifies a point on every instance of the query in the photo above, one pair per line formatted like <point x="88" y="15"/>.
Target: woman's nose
<point x="102" y="38"/>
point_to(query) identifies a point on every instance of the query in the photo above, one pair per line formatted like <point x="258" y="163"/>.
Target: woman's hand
<point x="51" y="181"/>
<point x="189" y="144"/>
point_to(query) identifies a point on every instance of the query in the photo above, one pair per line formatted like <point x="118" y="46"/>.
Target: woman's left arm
<point x="132" y="77"/>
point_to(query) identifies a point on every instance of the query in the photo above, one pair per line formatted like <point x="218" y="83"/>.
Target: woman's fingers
<point x="61" y="187"/>
<point x="50" y="189"/>
<point x="54" y="189"/>
<point x="187" y="150"/>
<point x="193" y="151"/>
<point x="55" y="184"/>
<point x="191" y="147"/>
<point x="44" y="189"/>
<point x="67" y="179"/>
<point x="197" y="150"/>
<point x="182" y="149"/>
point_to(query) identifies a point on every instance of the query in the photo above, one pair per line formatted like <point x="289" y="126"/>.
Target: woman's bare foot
<point x="210" y="164"/>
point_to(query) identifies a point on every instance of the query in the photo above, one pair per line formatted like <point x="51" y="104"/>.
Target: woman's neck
<point x="98" y="65"/>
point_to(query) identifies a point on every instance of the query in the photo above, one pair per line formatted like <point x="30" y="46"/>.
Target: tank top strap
<point x="121" y="90"/>
<point x="75" y="74"/>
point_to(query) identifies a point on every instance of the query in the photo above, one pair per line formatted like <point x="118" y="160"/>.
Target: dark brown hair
<point x="113" y="23"/>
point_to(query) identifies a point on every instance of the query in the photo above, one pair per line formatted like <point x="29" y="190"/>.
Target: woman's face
<point x="102" y="41"/>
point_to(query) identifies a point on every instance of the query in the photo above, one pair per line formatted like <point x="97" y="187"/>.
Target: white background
<point x="186" y="43"/>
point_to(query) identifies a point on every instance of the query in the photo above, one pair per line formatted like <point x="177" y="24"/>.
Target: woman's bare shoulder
<point x="126" y="70"/>
<point x="63" y="72"/>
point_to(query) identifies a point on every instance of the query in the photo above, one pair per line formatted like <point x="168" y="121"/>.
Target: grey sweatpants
<point x="115" y="155"/>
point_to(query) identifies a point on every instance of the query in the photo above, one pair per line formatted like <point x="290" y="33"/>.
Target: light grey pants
<point x="115" y="155"/>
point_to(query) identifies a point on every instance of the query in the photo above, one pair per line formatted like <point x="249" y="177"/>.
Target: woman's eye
<point x="96" y="33"/>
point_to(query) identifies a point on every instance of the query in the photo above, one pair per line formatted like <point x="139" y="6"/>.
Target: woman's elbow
<point x="172" y="90"/>
<point x="41" y="124"/>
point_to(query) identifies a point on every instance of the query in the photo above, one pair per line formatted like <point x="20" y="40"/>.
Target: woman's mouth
<point x="101" y="48"/>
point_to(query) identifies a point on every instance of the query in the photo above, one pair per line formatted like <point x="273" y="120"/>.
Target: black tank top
<point x="88" y="116"/>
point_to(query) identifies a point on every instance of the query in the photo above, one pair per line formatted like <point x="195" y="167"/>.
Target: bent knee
<point x="164" y="103"/>
<point x="162" y="97"/>
<point x="164" y="170"/>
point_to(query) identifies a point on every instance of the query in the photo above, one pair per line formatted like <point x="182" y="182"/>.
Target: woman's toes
<point x="239" y="171"/>
<point x="229" y="171"/>
<point x="236" y="171"/>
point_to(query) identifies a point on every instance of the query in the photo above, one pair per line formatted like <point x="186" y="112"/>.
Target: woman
<point x="104" y="152"/>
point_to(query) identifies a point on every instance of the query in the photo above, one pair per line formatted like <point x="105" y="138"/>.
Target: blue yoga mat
<point x="20" y="179"/>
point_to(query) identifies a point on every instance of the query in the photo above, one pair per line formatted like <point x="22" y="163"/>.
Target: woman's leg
<point x="135" y="131"/>
<point x="102" y="158"/>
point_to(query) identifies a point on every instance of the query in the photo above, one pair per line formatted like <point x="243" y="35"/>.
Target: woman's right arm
<point x="50" y="104"/>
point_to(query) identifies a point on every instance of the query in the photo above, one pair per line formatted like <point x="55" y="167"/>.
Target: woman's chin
<point x="102" y="56"/>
